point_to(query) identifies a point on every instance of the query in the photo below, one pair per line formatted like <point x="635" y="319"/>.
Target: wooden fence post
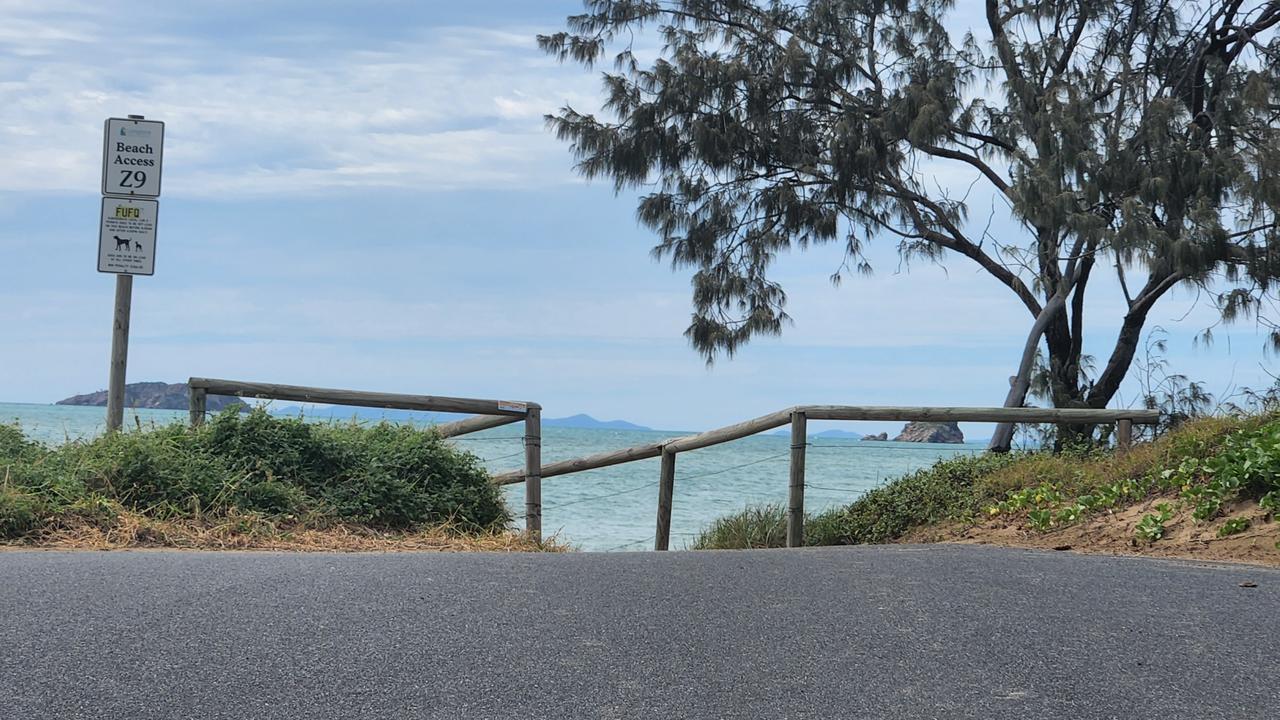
<point x="795" y="506"/>
<point x="196" y="402"/>
<point x="119" y="353"/>
<point x="533" y="473"/>
<point x="666" y="488"/>
<point x="1124" y="434"/>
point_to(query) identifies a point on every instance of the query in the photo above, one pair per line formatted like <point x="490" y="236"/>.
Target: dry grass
<point x="1081" y="474"/>
<point x="253" y="532"/>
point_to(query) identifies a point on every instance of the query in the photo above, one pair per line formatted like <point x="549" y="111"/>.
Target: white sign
<point x="132" y="151"/>
<point x="513" y="406"/>
<point x="127" y="238"/>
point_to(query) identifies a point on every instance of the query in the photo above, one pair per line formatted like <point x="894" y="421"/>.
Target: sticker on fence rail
<point x="513" y="406"/>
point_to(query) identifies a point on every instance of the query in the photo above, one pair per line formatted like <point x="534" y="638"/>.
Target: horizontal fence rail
<point x="331" y="396"/>
<point x="1070" y="416"/>
<point x="771" y="421"/>
<point x="798" y="417"/>
<point x="475" y="424"/>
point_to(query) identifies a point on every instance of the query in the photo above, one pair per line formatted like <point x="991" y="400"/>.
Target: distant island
<point x="826" y="434"/>
<point x="838" y="435"/>
<point x="155" y="396"/>
<point x="345" y="412"/>
<point x="931" y="432"/>
<point x="173" y="396"/>
<point x="587" y="422"/>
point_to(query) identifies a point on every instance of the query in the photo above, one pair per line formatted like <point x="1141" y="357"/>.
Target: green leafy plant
<point x="1247" y="462"/>
<point x="1069" y="514"/>
<point x="1233" y="526"/>
<point x="1152" y="527"/>
<point x="1041" y="520"/>
<point x="1270" y="502"/>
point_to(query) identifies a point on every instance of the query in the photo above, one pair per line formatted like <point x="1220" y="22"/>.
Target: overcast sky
<point x="363" y="195"/>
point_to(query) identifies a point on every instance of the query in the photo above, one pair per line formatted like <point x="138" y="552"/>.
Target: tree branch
<point x="1127" y="340"/>
<point x="961" y="244"/>
<point x="1069" y="49"/>
<point x="984" y="168"/>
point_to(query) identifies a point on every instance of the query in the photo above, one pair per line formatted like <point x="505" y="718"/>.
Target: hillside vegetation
<point x="1210" y="488"/>
<point x="157" y="396"/>
<point x="250" y="480"/>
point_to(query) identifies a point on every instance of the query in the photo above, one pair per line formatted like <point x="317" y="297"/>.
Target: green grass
<point x="384" y="477"/>
<point x="1206" y="464"/>
<point x="756" y="526"/>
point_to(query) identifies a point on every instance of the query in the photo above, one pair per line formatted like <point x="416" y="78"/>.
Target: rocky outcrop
<point x="879" y="437"/>
<point x="155" y="395"/>
<point x="931" y="432"/>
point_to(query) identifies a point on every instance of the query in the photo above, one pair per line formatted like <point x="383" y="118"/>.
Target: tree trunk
<point x="1118" y="364"/>
<point x="1002" y="440"/>
<point x="1130" y="337"/>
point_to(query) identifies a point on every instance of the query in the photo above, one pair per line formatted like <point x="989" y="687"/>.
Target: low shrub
<point x="20" y="512"/>
<point x="248" y="465"/>
<point x="944" y="491"/>
<point x="13" y="444"/>
<point x="949" y="490"/>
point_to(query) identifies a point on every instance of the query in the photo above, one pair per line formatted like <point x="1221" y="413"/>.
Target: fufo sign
<point x="127" y="236"/>
<point x="132" y="156"/>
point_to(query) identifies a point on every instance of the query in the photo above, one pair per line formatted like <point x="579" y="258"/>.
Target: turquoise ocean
<point x="614" y="508"/>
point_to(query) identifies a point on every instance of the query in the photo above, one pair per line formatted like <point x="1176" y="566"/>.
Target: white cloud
<point x="448" y="108"/>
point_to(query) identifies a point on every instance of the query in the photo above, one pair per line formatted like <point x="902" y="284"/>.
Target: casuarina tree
<point x="1133" y="142"/>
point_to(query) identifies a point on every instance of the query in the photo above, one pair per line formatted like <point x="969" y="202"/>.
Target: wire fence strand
<point x="638" y="488"/>
<point x="876" y="445"/>
<point x="601" y="497"/>
<point x="734" y="467"/>
<point x="630" y="544"/>
<point x="811" y="486"/>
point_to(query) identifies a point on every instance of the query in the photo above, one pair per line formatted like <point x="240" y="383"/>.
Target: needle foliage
<point x="1128" y="142"/>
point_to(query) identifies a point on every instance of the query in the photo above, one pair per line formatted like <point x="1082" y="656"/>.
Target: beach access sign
<point x="127" y="239"/>
<point x="132" y="157"/>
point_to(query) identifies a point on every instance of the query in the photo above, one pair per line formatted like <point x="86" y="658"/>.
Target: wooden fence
<point x="485" y="414"/>
<point x="495" y="413"/>
<point x="798" y="418"/>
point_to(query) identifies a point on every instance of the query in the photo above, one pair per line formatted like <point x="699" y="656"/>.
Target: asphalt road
<point x="887" y="632"/>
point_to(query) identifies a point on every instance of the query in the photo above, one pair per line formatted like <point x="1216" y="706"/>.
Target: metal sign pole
<point x="119" y="352"/>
